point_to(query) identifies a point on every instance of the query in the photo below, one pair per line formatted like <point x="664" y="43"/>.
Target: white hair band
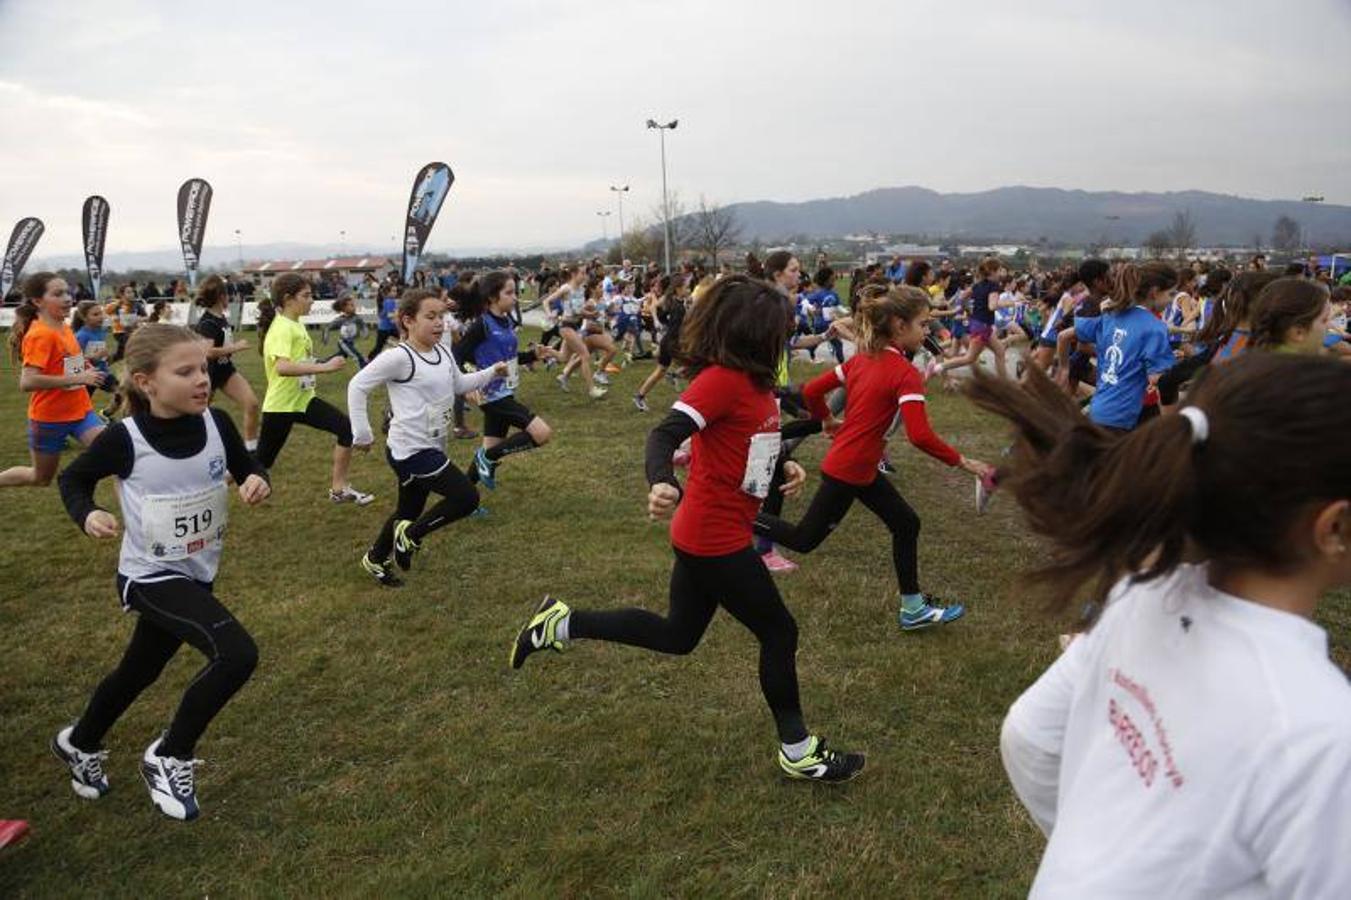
<point x="1199" y="422"/>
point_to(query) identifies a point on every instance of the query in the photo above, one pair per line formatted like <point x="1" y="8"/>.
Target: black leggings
<point x="320" y="414"/>
<point x="1171" y="382"/>
<point x="381" y="338"/>
<point x="458" y="499"/>
<point x="833" y="499"/>
<point x="171" y="613"/>
<point x="792" y="434"/>
<point x="740" y="584"/>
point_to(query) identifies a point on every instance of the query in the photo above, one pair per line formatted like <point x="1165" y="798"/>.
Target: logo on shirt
<point x="1114" y="356"/>
<point x="216" y="468"/>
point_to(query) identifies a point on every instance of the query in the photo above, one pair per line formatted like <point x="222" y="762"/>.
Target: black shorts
<point x="220" y="373"/>
<point x="500" y="415"/>
<point x="666" y="351"/>
<point x="1081" y="368"/>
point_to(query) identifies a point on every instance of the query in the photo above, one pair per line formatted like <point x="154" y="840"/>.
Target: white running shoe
<point x="170" y="783"/>
<point x="601" y="378"/>
<point x="563" y="383"/>
<point x="597" y="392"/>
<point x="350" y="494"/>
<point x="86" y="769"/>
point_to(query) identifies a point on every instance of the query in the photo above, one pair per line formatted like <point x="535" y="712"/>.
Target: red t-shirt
<point x="734" y="451"/>
<point x="878" y="386"/>
<point x="54" y="352"/>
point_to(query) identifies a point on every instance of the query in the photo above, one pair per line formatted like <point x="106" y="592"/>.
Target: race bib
<point x="307" y="382"/>
<point x="70" y="367"/>
<point x="760" y="462"/>
<point x="439" y="421"/>
<point x="94" y="348"/>
<point x="177" y="526"/>
<point x="513" y="374"/>
<point x="630" y="309"/>
<point x="128" y="319"/>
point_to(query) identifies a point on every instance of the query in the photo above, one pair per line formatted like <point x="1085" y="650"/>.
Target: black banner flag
<point x="95" y="226"/>
<point x="429" y="192"/>
<point x="21" y="243"/>
<point x="194" y="203"/>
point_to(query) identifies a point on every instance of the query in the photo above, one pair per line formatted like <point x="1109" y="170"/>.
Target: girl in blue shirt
<point x="1130" y="343"/>
<point x="92" y="336"/>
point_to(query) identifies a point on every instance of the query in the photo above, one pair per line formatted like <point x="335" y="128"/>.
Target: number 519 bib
<point x="175" y="526"/>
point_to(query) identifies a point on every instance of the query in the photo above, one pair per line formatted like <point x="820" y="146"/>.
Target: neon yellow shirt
<point x="287" y="339"/>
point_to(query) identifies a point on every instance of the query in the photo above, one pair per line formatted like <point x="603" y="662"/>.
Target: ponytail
<point x="878" y="305"/>
<point x="34" y="287"/>
<point x="1132" y="283"/>
<point x="484" y="290"/>
<point x="1113" y="505"/>
<point x="266" y="313"/>
<point x="287" y="284"/>
<point x="82" y="310"/>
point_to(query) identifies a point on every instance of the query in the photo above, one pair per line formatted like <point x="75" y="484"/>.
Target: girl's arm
<point x="382" y="369"/>
<point x="473" y="336"/>
<point x="468" y="382"/>
<point x="110" y="454"/>
<point x="238" y="460"/>
<point x="31" y="379"/>
<point x="289" y="368"/>
<point x="920" y="433"/>
<point x="814" y="392"/>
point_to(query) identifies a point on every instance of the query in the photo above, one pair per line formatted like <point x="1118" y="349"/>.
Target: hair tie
<point x="1200" y="424"/>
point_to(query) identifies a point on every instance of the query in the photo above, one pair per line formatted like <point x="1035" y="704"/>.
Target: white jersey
<point x="1193" y="744"/>
<point x="422" y="390"/>
<point x="174" y="510"/>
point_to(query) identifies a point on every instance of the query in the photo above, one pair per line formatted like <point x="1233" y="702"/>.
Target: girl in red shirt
<point x="879" y="381"/>
<point x="54" y="375"/>
<point x="731" y="341"/>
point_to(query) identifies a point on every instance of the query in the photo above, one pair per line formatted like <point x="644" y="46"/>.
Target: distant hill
<point x="1027" y="214"/>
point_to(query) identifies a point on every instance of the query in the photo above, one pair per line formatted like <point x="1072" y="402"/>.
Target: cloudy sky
<point x="311" y="118"/>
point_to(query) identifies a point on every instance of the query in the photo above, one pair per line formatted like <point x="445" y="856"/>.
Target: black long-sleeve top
<point x="178" y="438"/>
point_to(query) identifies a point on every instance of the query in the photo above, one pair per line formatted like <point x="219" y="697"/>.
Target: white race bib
<point x="513" y="374"/>
<point x="760" y="463"/>
<point x="70" y="367"/>
<point x="176" y="526"/>
<point x="439" y="419"/>
<point x="307" y="382"/>
<point x="94" y="348"/>
<point x="128" y="319"/>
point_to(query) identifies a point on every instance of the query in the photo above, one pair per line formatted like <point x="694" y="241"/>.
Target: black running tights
<point x="170" y="614"/>
<point x="740" y="584"/>
<point x="833" y="499"/>
<point x="458" y="499"/>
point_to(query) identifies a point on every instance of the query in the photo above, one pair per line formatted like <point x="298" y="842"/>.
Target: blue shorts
<point x="51" y="437"/>
<point x="422" y="464"/>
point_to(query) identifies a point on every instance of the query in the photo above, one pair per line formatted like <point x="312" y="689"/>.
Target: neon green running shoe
<point x="820" y="764"/>
<point x="541" y="633"/>
<point x="404" y="546"/>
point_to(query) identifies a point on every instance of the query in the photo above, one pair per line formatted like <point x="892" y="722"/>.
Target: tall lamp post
<point x="665" y="202"/>
<point x="604" y="226"/>
<point x="239" y="247"/>
<point x="619" y="195"/>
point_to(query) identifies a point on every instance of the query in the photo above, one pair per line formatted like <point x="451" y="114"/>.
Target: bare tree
<point x="1159" y="242"/>
<point x="1182" y="233"/>
<point x="716" y="229"/>
<point x="1285" y="234"/>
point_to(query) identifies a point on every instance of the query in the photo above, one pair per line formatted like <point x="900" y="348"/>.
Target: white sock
<point x="794" y="752"/>
<point x="561" y="630"/>
<point x="251" y="446"/>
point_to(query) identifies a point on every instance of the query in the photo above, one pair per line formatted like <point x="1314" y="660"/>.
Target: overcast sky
<point x="310" y="118"/>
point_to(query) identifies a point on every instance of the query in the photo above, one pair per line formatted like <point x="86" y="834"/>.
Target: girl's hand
<point x="501" y="368"/>
<point x="830" y="425"/>
<point x="254" y="490"/>
<point x="661" y="501"/>
<point x="87" y="377"/>
<point x="335" y="364"/>
<point x="238" y="346"/>
<point x="976" y="467"/>
<point x="100" y="524"/>
<point x="794" y="477"/>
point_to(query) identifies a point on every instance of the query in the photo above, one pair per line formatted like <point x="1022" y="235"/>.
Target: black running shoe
<point x="541" y="632"/>
<point x="821" y="764"/>
<point x="381" y="572"/>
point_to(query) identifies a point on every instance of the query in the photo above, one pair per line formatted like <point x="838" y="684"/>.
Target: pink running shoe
<point x="680" y="459"/>
<point x="776" y="563"/>
<point x="985" y="491"/>
<point x="12" y="831"/>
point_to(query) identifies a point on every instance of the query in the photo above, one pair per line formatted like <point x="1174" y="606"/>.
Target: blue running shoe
<point x="481" y="512"/>
<point x="931" y="614"/>
<point x="170" y="783"/>
<point x="486" y="468"/>
<point x="86" y="769"/>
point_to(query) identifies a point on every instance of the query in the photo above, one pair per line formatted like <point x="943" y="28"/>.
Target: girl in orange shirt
<point x="55" y="376"/>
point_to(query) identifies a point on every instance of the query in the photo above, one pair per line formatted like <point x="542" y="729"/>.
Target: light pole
<point x="619" y="195"/>
<point x="342" y="242"/>
<point x="1308" y="239"/>
<point x="665" y="203"/>
<point x="239" y="247"/>
<point x="604" y="227"/>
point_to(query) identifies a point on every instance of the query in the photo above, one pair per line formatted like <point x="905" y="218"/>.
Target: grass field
<point x="384" y="747"/>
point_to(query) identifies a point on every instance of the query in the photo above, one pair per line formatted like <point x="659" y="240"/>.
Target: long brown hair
<point x="741" y="323"/>
<point x="1115" y="505"/>
<point x="1132" y="283"/>
<point x="877" y="305"/>
<point x="211" y="291"/>
<point x="144" y="349"/>
<point x="34" y="288"/>
<point x="1238" y="299"/>
<point x="285" y="285"/>
<point x="1284" y="304"/>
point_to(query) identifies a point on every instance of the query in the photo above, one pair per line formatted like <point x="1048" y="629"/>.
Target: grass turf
<point x="383" y="746"/>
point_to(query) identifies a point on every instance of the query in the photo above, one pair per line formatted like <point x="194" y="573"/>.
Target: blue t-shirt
<point x="499" y="345"/>
<point x="385" y="316"/>
<point x="99" y="338"/>
<point x="1131" y="345"/>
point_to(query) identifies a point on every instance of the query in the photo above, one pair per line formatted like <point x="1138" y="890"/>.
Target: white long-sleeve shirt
<point x="422" y="391"/>
<point x="1193" y="744"/>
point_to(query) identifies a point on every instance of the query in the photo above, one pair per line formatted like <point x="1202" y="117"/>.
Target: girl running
<point x="423" y="381"/>
<point x="92" y="336"/>
<point x="54" y="375"/>
<point x="984" y="295"/>
<point x="385" y="329"/>
<point x="490" y="341"/>
<point x="594" y="338"/>
<point x="350" y="328"/>
<point x="671" y="313"/>
<point x="288" y="360"/>
<point x="1291" y="316"/>
<point x="1196" y="741"/>
<point x="1130" y="341"/>
<point x="214" y="298"/>
<point x="879" y="381"/>
<point x="570" y="300"/>
<point x="733" y="340"/>
<point x="126" y="315"/>
<point x="1233" y="330"/>
<point x="170" y="456"/>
